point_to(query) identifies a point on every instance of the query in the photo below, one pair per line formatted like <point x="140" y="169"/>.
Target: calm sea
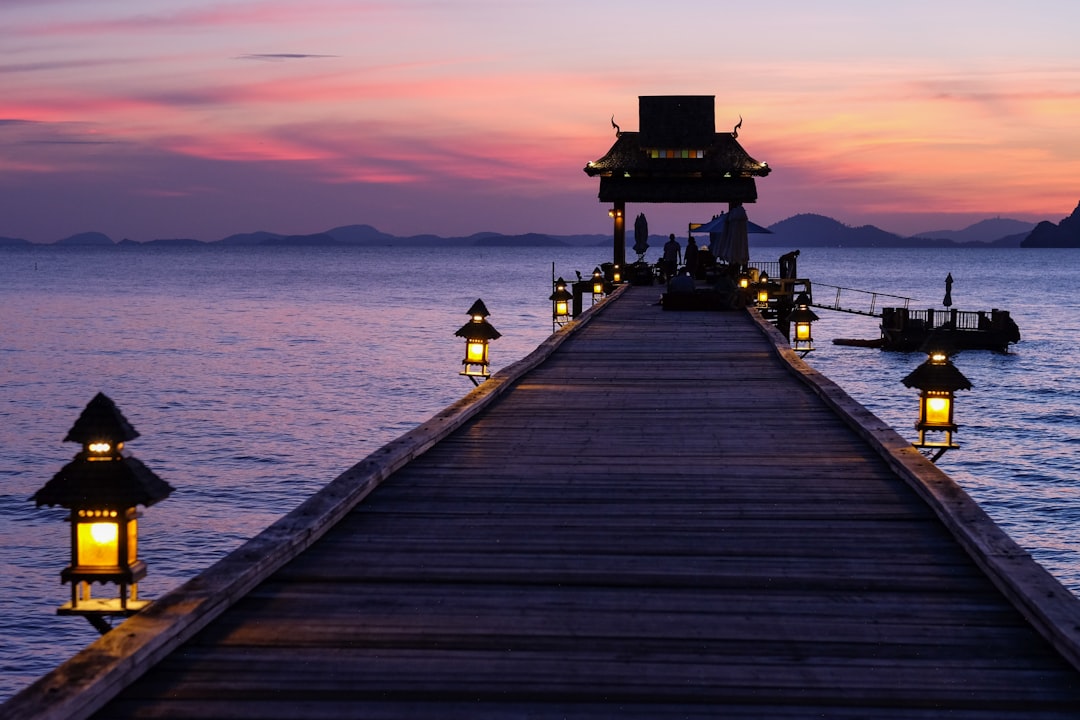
<point x="257" y="375"/>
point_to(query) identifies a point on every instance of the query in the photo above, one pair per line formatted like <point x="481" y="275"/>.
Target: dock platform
<point x="658" y="514"/>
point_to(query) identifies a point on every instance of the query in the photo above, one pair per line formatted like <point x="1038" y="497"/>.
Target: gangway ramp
<point x="857" y="302"/>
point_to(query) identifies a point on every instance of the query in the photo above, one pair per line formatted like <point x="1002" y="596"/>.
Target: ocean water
<point x="257" y="375"/>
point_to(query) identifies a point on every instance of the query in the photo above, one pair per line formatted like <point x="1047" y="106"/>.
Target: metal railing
<point x="850" y="300"/>
<point x="951" y="318"/>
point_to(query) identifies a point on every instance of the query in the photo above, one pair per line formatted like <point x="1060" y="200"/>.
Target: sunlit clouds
<point x="163" y="118"/>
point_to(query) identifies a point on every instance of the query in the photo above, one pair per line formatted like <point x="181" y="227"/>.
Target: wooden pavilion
<point x="675" y="157"/>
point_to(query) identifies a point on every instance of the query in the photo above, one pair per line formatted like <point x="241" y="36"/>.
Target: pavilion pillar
<point x="619" y="214"/>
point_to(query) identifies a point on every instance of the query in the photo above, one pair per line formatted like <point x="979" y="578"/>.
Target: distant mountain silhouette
<point x="984" y="231"/>
<point x="799" y="231"/>
<point x="359" y="235"/>
<point x="810" y="230"/>
<point x="1065" y="234"/>
<point x="87" y="239"/>
<point x="252" y="238"/>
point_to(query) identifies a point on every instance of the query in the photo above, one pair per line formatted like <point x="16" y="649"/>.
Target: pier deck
<point x="659" y="520"/>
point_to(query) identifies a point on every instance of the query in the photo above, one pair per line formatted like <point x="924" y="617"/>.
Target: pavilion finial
<point x="618" y="131"/>
<point x="735" y="131"/>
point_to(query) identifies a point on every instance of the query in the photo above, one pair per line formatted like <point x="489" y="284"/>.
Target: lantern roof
<point x="677" y="156"/>
<point x="101" y="420"/>
<point x="123" y="482"/>
<point x="561" y="293"/>
<point x="479" y="308"/>
<point x="482" y="330"/>
<point x="803" y="314"/>
<point x="939" y="376"/>
<point x="120" y="481"/>
<point x="478" y="330"/>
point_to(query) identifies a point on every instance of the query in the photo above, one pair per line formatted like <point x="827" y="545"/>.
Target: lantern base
<point x="102" y="606"/>
<point x="475" y="372"/>
<point x="96" y="611"/>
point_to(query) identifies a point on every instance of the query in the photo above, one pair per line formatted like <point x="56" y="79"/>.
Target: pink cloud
<point x="243" y="15"/>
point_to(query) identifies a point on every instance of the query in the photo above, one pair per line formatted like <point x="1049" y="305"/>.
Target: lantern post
<point x="103" y="487"/>
<point x="598" y="285"/>
<point x="478" y="332"/>
<point x="802" y="317"/>
<point x="560" y="305"/>
<point x="937" y="380"/>
<point x="762" y="293"/>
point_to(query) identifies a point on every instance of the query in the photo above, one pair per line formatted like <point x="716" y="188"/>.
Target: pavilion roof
<point x="724" y="156"/>
<point x="677" y="156"/>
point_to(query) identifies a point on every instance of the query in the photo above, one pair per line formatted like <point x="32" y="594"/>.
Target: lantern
<point x="560" y="304"/>
<point x="801" y="317"/>
<point x="937" y="380"/>
<point x="597" y="285"/>
<point x="478" y="332"/>
<point x="103" y="487"/>
<point x="763" y="291"/>
<point x="744" y="281"/>
<point x="616" y="274"/>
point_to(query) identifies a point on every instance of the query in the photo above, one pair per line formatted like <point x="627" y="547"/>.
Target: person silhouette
<point x="691" y="257"/>
<point x="672" y="256"/>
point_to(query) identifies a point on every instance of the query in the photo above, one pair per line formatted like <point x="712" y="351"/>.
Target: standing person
<point x="788" y="266"/>
<point x="672" y="256"/>
<point x="691" y="257"/>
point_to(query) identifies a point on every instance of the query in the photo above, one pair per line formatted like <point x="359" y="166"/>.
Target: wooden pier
<point x="657" y="514"/>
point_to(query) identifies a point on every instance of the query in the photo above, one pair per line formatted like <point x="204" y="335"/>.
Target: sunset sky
<point x="166" y="118"/>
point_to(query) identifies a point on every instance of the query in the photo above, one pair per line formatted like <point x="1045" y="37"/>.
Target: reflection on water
<point x="256" y="376"/>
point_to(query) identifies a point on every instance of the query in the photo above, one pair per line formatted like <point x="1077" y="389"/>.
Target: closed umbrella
<point x="734" y="246"/>
<point x="641" y="236"/>
<point x="947" y="302"/>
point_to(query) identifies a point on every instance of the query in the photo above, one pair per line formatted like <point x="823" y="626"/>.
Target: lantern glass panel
<point x="938" y="409"/>
<point x="561" y="308"/>
<point x="476" y="351"/>
<point x="802" y="331"/>
<point x="99" y="544"/>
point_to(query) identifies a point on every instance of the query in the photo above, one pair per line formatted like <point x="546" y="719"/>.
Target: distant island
<point x="800" y="231"/>
<point x="1065" y="234"/>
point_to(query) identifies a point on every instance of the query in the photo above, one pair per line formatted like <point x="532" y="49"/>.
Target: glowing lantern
<point x="597" y="285"/>
<point x="801" y="317"/>
<point x="616" y="274"/>
<point x="478" y="332"/>
<point x="937" y="380"/>
<point x="763" y="291"/>
<point x="102" y="488"/>
<point x="560" y="304"/>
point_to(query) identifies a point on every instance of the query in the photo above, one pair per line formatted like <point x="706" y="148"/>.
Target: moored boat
<point x="908" y="330"/>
